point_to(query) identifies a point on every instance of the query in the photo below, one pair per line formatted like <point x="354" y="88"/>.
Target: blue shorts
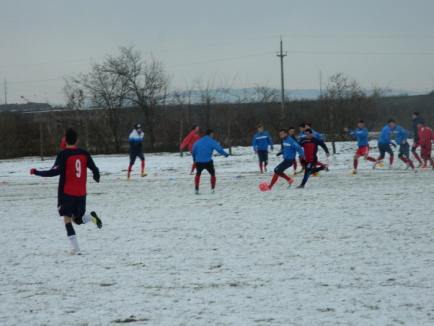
<point x="72" y="206"/>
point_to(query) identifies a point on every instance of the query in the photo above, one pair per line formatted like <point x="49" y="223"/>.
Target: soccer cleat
<point x="300" y="187"/>
<point x="354" y="172"/>
<point x="96" y="220"/>
<point x="75" y="252"/>
<point x="196" y="191"/>
<point x="213" y="191"/>
<point x="316" y="174"/>
<point x="143" y="174"/>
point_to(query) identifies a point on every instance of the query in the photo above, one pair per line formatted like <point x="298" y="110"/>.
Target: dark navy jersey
<point x="71" y="165"/>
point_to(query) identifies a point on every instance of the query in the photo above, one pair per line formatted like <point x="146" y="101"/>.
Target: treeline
<point x="234" y="123"/>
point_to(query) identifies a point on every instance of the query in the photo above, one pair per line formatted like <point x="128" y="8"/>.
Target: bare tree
<point x="146" y="82"/>
<point x="74" y="94"/>
<point x="265" y="94"/>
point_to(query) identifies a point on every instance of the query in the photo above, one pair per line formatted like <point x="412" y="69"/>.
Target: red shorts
<point x="362" y="151"/>
<point x="425" y="151"/>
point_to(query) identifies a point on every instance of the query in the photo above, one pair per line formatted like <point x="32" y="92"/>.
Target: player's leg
<point x="66" y="210"/>
<point x="199" y="169"/>
<point x="70" y="233"/>
<point x="279" y="172"/>
<point x="132" y="161"/>
<point x="307" y="172"/>
<point x="211" y="170"/>
<point x="193" y="168"/>
<point x="367" y="157"/>
<point x="265" y="160"/>
<point x="379" y="161"/>
<point x="415" y="154"/>
<point x="261" y="160"/>
<point x="142" y="165"/>
<point x="355" y="162"/>
<point x="391" y="155"/>
<point x="80" y="216"/>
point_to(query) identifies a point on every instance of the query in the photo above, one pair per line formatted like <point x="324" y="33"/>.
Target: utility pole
<point x="281" y="55"/>
<point x="5" y="88"/>
<point x="320" y="84"/>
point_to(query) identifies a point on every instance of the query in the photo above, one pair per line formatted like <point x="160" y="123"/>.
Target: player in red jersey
<point x="189" y="141"/>
<point x="310" y="146"/>
<point x="71" y="165"/>
<point x="426" y="137"/>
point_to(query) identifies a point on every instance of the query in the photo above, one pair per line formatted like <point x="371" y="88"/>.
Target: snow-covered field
<point x="351" y="250"/>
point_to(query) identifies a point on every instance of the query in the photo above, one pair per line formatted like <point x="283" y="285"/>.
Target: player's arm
<point x="255" y="147"/>
<point x="95" y="171"/>
<point x="54" y="171"/>
<point x="300" y="151"/>
<point x="185" y="142"/>
<point x="194" y="152"/>
<point x="322" y="145"/>
<point x="220" y="149"/>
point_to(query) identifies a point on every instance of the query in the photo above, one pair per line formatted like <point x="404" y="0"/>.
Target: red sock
<point x="143" y="166"/>
<point x="273" y="180"/>
<point x="213" y="181"/>
<point x="197" y="181"/>
<point x="260" y="167"/>
<point x="130" y="167"/>
<point x="355" y="163"/>
<point x="391" y="160"/>
<point x="295" y="165"/>
<point x="287" y="178"/>
<point x="193" y="167"/>
<point x="371" y="159"/>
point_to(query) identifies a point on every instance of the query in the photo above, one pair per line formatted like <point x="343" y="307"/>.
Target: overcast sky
<point x="386" y="43"/>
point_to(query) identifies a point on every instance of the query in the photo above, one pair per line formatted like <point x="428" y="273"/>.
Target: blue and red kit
<point x="310" y="147"/>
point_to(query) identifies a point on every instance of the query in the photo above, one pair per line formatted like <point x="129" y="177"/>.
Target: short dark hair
<point x="307" y="124"/>
<point x="361" y="121"/>
<point x="137" y="126"/>
<point x="416" y="113"/>
<point x="259" y="125"/>
<point x="291" y="128"/>
<point x="391" y="120"/>
<point x="308" y="130"/>
<point x="194" y="127"/>
<point x="283" y="130"/>
<point x="71" y="136"/>
<point x="209" y="132"/>
<point x="302" y="125"/>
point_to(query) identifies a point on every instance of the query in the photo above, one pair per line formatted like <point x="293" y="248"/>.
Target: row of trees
<point x="130" y="80"/>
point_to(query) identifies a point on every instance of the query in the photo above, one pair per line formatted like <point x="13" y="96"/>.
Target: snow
<point x="351" y="250"/>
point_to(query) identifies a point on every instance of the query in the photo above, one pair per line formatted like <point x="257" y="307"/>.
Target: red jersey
<point x="310" y="147"/>
<point x="72" y="164"/>
<point x="426" y="136"/>
<point x="190" y="140"/>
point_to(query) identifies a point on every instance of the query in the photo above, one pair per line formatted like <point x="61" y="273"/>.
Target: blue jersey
<point x="261" y="141"/>
<point x="290" y="148"/>
<point x="401" y="134"/>
<point x="361" y="134"/>
<point x="385" y="134"/>
<point x="203" y="149"/>
<point x="136" y="139"/>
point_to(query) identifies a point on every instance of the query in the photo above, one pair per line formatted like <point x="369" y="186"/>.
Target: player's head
<point x="308" y="133"/>
<point x="138" y="126"/>
<point x="391" y="123"/>
<point x="260" y="127"/>
<point x="360" y="124"/>
<point x="71" y="137"/>
<point x="420" y="124"/>
<point x="283" y="133"/>
<point x="195" y="128"/>
<point x="209" y="132"/>
<point x="291" y="131"/>
<point x="308" y="125"/>
<point x="301" y="127"/>
<point x="415" y="115"/>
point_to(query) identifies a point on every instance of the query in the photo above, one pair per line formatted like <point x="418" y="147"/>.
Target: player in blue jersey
<point x="404" y="147"/>
<point x="135" y="140"/>
<point x="261" y="142"/>
<point x="384" y="143"/>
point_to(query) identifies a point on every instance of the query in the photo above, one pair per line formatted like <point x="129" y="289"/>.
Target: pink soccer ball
<point x="263" y="186"/>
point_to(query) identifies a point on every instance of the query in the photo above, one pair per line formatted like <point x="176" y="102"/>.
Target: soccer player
<point x="71" y="165"/>
<point x="416" y="119"/>
<point x="384" y="142"/>
<point x="202" y="156"/>
<point x="136" y="139"/>
<point x="290" y="148"/>
<point x="189" y="141"/>
<point x="310" y="146"/>
<point x="261" y="141"/>
<point x="426" y="137"/>
<point x="404" y="148"/>
<point x="361" y="135"/>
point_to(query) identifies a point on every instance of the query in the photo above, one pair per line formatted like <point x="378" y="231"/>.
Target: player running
<point x="290" y="148"/>
<point x="310" y="146"/>
<point x="71" y="165"/>
<point x="361" y="135"/>
<point x="426" y="137"/>
<point x="189" y="141"/>
<point x="202" y="156"/>
<point x="384" y="142"/>
<point x="416" y="119"/>
<point x="136" y="139"/>
<point x="404" y="148"/>
<point x="261" y="141"/>
<point x="291" y="133"/>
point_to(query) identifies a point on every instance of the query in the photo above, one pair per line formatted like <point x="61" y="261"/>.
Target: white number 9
<point x="78" y="168"/>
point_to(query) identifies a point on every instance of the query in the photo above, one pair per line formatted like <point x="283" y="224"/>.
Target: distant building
<point x="27" y="107"/>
